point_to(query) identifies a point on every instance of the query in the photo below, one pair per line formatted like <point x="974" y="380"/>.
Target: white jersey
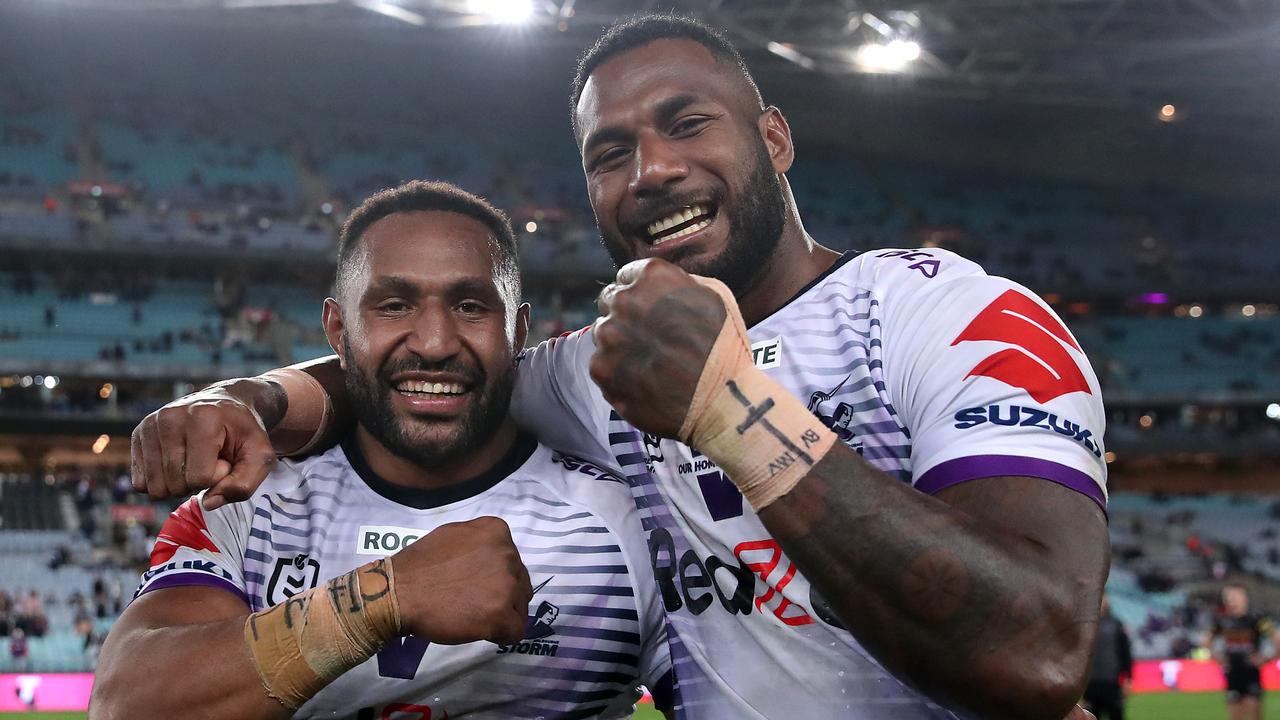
<point x="933" y="371"/>
<point x="595" y="631"/>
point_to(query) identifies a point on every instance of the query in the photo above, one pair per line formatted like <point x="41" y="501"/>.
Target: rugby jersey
<point x="931" y="370"/>
<point x="595" y="630"/>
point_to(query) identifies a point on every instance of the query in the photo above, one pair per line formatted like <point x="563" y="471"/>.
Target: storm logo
<point x="1039" y="361"/>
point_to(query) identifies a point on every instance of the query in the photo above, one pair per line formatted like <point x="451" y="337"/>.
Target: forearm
<point x="202" y="671"/>
<point x="976" y="617"/>
<point x="272" y="402"/>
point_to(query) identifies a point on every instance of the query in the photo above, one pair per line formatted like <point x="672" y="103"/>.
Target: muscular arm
<point x="270" y="395"/>
<point x="986" y="596"/>
<point x="180" y="652"/>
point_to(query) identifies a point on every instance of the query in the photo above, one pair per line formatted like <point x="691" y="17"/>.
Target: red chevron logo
<point x="185" y="527"/>
<point x="1038" y="363"/>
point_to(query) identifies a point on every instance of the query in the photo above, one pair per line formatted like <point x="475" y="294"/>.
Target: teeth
<point x="687" y="231"/>
<point x="676" y="218"/>
<point x="416" y="386"/>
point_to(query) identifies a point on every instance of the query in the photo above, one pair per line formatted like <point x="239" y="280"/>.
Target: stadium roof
<point x="1221" y="57"/>
<point x="1168" y="91"/>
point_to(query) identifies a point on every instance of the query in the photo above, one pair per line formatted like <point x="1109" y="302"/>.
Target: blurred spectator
<point x="31" y="617"/>
<point x="19" y="651"/>
<point x="1112" y="668"/>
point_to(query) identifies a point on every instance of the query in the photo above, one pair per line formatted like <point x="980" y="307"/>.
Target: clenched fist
<point x="656" y="329"/>
<point x="210" y="439"/>
<point x="463" y="582"/>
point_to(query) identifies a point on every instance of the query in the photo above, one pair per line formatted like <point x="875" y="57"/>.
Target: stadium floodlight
<point x="1273" y="411"/>
<point x="787" y="52"/>
<point x="505" y="12"/>
<point x="892" y="56"/>
<point x="243" y="4"/>
<point x="395" y="12"/>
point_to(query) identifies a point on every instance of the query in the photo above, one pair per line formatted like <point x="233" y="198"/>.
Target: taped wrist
<point x="764" y="438"/>
<point x="304" y="643"/>
<point x="308" y="413"/>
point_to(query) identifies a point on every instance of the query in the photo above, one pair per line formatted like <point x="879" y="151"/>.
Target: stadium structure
<point x="172" y="174"/>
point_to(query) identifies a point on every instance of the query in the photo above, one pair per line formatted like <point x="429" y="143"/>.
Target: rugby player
<point x="942" y="555"/>
<point x="361" y="582"/>
<point x="1243" y="634"/>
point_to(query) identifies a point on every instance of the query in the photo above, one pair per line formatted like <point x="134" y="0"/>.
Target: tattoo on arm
<point x="1002" y="578"/>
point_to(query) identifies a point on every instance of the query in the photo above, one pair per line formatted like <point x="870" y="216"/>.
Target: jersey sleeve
<point x="556" y="400"/>
<point x="990" y="382"/>
<point x="199" y="547"/>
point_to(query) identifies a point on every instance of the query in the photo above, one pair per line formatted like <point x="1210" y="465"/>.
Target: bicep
<point x="176" y="606"/>
<point x="177" y="649"/>
<point x="1064" y="527"/>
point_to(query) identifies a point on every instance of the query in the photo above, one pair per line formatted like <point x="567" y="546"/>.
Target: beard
<point x="756" y="218"/>
<point x="406" y="437"/>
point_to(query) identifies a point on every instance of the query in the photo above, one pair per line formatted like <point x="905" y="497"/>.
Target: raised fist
<point x="209" y="439"/>
<point x="463" y="582"/>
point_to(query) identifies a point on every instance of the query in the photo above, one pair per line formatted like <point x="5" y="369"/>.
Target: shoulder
<point x="561" y="348"/>
<point x="909" y="268"/>
<point x="581" y="483"/>
<point x="935" y="289"/>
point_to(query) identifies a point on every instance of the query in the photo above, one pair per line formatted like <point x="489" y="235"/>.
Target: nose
<point x="657" y="165"/>
<point x="435" y="334"/>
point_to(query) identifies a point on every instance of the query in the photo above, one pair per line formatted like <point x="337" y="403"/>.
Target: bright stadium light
<point x="506" y="12"/>
<point x="892" y="56"/>
<point x="391" y="10"/>
<point x="51" y="381"/>
<point x="531" y="226"/>
<point x="1273" y="411"/>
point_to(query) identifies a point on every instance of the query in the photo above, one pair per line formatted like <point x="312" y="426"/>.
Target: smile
<point x="680" y="223"/>
<point x="413" y="387"/>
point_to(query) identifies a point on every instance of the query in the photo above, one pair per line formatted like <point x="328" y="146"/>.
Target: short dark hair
<point x="639" y="30"/>
<point x="429" y="196"/>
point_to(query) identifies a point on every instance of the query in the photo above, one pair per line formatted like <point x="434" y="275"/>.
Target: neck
<point x="795" y="262"/>
<point x="406" y="473"/>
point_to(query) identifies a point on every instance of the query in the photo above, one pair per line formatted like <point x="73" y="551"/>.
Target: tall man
<point x="948" y="547"/>
<point x="361" y="582"/>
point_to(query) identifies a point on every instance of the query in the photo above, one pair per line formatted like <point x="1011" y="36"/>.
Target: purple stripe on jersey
<point x="959" y="470"/>
<point x="195" y="578"/>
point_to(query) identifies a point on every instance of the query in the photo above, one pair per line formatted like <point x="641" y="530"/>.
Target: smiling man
<point x="362" y="582"/>
<point x="872" y="484"/>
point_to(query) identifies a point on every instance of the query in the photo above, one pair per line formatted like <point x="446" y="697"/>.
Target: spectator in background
<point x="1112" y="668"/>
<point x="19" y="650"/>
<point x="31" y="617"/>
<point x="6" y="614"/>
<point x="92" y="639"/>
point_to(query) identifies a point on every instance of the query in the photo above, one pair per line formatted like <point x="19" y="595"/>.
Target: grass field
<point x="1172" y="706"/>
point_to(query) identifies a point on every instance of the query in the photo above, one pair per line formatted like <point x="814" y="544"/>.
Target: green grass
<point x="1191" y="706"/>
<point x="1171" y="706"/>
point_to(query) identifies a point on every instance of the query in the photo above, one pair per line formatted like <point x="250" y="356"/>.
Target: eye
<point x="689" y="124"/>
<point x="393" y="307"/>
<point x="471" y="307"/>
<point x="609" y="157"/>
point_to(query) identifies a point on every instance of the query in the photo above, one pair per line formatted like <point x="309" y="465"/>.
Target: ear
<point x="522" y="327"/>
<point x="333" y="329"/>
<point x="777" y="138"/>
